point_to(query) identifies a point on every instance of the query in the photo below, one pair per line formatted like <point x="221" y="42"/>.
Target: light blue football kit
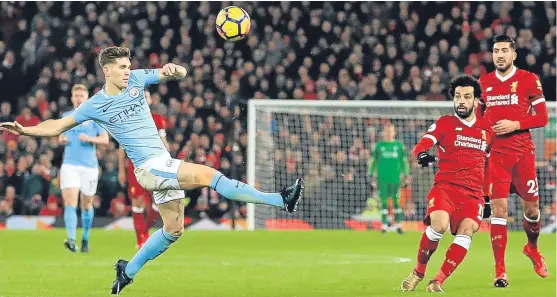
<point x="80" y="170"/>
<point x="127" y="118"/>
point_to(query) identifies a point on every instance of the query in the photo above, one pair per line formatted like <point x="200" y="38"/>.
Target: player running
<point x="80" y="172"/>
<point x="390" y="160"/>
<point x="456" y="199"/>
<point x="120" y="108"/>
<point x="140" y="198"/>
<point x="510" y="95"/>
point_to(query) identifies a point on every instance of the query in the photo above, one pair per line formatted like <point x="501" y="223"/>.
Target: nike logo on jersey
<point x="106" y="106"/>
<point x="489" y="89"/>
<point x="458" y="129"/>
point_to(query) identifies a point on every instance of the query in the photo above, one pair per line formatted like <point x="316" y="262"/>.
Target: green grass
<point x="319" y="263"/>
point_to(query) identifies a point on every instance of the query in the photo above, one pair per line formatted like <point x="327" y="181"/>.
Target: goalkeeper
<point x="390" y="160"/>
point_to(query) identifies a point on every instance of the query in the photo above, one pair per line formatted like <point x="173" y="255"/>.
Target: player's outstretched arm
<point x="172" y="71"/>
<point x="45" y="129"/>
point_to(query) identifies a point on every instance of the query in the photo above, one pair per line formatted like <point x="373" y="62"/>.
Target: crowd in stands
<point x="296" y="50"/>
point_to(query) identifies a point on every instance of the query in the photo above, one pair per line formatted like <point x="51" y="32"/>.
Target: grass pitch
<point x="317" y="263"/>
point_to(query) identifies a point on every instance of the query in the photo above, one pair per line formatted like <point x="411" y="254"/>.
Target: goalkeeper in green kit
<point x="390" y="160"/>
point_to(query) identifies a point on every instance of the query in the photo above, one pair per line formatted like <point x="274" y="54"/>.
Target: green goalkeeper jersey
<point x="390" y="160"/>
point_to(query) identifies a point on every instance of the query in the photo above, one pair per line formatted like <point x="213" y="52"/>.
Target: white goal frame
<point x="252" y="121"/>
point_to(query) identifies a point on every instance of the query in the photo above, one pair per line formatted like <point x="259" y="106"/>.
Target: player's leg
<point x="87" y="216"/>
<point x="526" y="183"/>
<point x="437" y="221"/>
<point x="90" y="178"/>
<point x="456" y="252"/>
<point x="69" y="196"/>
<point x="138" y="216"/>
<point x="70" y="184"/>
<point x="500" y="167"/>
<point x="192" y="176"/>
<point x="152" y="215"/>
<point x="383" y="193"/>
<point x="395" y="193"/>
<point x="172" y="213"/>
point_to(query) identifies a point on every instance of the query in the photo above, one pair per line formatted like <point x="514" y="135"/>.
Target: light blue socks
<point x="155" y="245"/>
<point x="70" y="221"/>
<point x="87" y="216"/>
<point x="236" y="190"/>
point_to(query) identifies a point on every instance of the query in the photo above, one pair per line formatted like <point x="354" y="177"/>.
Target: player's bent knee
<point x="467" y="227"/>
<point x="499" y="208"/>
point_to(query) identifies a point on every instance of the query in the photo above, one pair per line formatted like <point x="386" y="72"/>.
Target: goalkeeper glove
<point x="487" y="208"/>
<point x="425" y="159"/>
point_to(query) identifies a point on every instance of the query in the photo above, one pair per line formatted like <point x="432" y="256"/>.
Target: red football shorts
<point x="513" y="174"/>
<point x="460" y="203"/>
<point x="135" y="190"/>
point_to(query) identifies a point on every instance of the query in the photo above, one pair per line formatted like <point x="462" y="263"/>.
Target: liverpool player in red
<point x="139" y="197"/>
<point x="510" y="96"/>
<point x="456" y="198"/>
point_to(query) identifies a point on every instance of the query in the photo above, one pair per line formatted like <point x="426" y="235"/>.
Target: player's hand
<point x="83" y="137"/>
<point x="425" y="159"/>
<point x="505" y="126"/>
<point x="12" y="127"/>
<point x="63" y="140"/>
<point x="174" y="70"/>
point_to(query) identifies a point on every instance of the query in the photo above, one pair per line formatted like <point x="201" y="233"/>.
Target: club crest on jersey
<point x="431" y="203"/>
<point x="514" y="85"/>
<point x="539" y="84"/>
<point x="134" y="92"/>
<point x="484" y="136"/>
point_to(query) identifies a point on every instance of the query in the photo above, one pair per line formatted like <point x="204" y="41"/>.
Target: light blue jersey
<point x="127" y="117"/>
<point x="78" y="152"/>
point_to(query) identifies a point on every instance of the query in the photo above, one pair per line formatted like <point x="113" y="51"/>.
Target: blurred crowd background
<point x="296" y="50"/>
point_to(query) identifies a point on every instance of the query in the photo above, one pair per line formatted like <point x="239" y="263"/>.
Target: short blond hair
<point x="79" y="87"/>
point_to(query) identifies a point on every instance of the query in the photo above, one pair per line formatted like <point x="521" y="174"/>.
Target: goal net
<point x="329" y="144"/>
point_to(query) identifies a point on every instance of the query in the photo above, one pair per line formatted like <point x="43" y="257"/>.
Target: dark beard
<point x="503" y="69"/>
<point x="463" y="114"/>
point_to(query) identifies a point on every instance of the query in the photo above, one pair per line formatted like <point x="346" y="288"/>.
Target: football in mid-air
<point x="233" y="23"/>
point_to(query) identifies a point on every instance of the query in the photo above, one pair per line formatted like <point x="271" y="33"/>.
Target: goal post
<point x="329" y="144"/>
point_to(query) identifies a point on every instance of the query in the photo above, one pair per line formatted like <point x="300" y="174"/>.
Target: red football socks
<point x="498" y="231"/>
<point x="532" y="229"/>
<point x="455" y="254"/>
<point x="428" y="245"/>
<point x="138" y="223"/>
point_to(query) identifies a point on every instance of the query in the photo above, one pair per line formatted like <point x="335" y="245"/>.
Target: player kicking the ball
<point x="140" y="198"/>
<point x="80" y="172"/>
<point x="121" y="109"/>
<point x="456" y="198"/>
<point x="510" y="95"/>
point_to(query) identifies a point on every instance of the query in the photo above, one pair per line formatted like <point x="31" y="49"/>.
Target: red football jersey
<point x="462" y="149"/>
<point x="512" y="98"/>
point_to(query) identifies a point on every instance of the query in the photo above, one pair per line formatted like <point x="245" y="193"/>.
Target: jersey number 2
<point x="533" y="184"/>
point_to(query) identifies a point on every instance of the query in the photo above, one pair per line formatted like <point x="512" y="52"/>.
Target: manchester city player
<point x="80" y="172"/>
<point x="120" y="108"/>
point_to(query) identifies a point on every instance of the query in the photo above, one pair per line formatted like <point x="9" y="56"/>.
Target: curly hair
<point x="465" y="80"/>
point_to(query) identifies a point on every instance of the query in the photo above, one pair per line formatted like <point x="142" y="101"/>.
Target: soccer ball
<point x="233" y="23"/>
